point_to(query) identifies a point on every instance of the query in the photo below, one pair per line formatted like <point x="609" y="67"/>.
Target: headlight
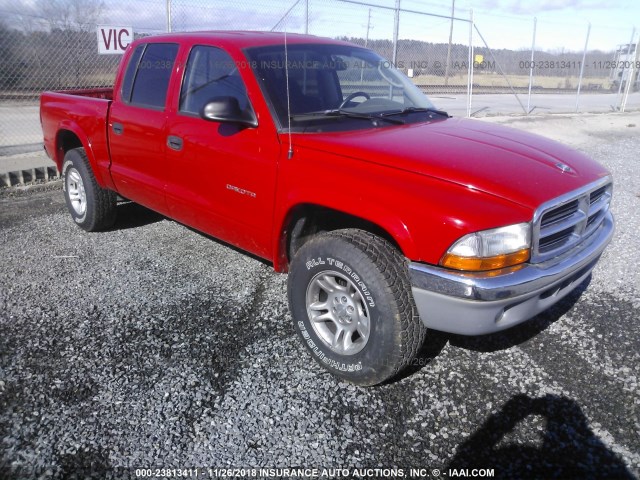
<point x="490" y="249"/>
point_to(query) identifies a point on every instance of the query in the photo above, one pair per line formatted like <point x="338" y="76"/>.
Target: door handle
<point x="174" y="143"/>
<point x="118" y="129"/>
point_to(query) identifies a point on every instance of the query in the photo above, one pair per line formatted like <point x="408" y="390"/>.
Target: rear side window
<point x="151" y="78"/>
<point x="130" y="74"/>
<point x="210" y="73"/>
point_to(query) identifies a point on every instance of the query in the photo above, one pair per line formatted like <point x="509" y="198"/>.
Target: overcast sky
<point x="562" y="24"/>
<point x="509" y="23"/>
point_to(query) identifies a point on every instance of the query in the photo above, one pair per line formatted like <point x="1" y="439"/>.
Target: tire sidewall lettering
<point x="329" y="263"/>
<point x="330" y="362"/>
<point x="375" y="270"/>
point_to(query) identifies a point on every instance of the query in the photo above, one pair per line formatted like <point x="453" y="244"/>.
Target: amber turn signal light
<point x="476" y="264"/>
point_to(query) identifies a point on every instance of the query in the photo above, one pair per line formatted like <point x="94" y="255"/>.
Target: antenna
<point x="286" y="74"/>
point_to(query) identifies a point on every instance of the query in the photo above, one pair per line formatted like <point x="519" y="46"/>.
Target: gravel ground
<point x="151" y="345"/>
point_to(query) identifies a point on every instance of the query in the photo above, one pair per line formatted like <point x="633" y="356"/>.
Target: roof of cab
<point x="241" y="39"/>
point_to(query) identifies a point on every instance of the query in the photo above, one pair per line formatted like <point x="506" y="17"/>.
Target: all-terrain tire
<point x="92" y="207"/>
<point x="351" y="302"/>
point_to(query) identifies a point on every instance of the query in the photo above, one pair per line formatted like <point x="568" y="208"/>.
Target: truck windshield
<point x="335" y="87"/>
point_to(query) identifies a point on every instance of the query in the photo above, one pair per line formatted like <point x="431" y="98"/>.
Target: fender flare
<point x="72" y="127"/>
<point x="382" y="219"/>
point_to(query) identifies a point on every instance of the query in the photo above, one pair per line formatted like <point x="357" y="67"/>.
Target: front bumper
<point x="487" y="302"/>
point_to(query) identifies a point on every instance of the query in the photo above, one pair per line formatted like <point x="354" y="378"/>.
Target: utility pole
<point x="631" y="81"/>
<point x="446" y="68"/>
<point x="306" y="16"/>
<point x="366" y="39"/>
<point x="168" y="16"/>
<point x="396" y="29"/>
<point x="533" y="49"/>
<point x="629" y="46"/>
<point x="584" y="56"/>
<point x="470" y="66"/>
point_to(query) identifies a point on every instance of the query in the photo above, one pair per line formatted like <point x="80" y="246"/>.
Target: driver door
<point x="222" y="176"/>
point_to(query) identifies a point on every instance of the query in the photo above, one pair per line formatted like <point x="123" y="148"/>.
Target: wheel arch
<point x="302" y="221"/>
<point x="69" y="137"/>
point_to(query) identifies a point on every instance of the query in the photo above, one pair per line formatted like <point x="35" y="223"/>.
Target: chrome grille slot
<point x="598" y="194"/>
<point x="556" y="240"/>
<point x="564" y="223"/>
<point x="592" y="221"/>
<point x="599" y="201"/>
<point x="559" y="214"/>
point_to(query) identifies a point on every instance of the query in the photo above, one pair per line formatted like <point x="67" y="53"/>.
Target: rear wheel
<point x="352" y="305"/>
<point x="91" y="206"/>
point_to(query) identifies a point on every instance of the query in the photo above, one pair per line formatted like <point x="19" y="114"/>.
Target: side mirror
<point x="227" y="110"/>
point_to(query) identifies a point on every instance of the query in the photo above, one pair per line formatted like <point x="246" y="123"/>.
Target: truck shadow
<point x="134" y="215"/>
<point x="567" y="447"/>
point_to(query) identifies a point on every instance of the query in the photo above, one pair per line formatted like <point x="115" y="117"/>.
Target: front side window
<point x="210" y="73"/>
<point x="152" y="75"/>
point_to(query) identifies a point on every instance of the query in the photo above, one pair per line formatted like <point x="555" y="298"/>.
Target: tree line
<point x="65" y="56"/>
<point x="433" y="58"/>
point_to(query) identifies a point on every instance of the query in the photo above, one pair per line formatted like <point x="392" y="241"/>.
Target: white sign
<point x="113" y="40"/>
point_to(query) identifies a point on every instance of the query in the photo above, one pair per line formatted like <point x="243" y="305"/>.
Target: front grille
<point x="565" y="222"/>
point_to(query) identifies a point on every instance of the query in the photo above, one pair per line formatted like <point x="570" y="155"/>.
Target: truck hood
<point x="521" y="167"/>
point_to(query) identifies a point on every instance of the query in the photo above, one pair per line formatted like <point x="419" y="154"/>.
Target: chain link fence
<point x="559" y="79"/>
<point x="460" y="60"/>
<point x="50" y="45"/>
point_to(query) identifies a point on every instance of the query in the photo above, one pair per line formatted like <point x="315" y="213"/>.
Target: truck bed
<point x="85" y="113"/>
<point x="105" y="93"/>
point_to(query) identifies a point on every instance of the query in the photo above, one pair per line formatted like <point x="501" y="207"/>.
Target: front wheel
<point x="91" y="206"/>
<point x="352" y="305"/>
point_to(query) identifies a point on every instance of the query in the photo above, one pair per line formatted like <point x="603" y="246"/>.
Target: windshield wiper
<point x="416" y="109"/>
<point x="339" y="112"/>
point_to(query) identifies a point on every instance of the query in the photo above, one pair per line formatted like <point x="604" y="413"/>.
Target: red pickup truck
<point x="390" y="216"/>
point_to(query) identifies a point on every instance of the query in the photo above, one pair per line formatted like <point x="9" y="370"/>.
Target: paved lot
<point x="541" y="103"/>
<point x="151" y="345"/>
<point x="19" y="126"/>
